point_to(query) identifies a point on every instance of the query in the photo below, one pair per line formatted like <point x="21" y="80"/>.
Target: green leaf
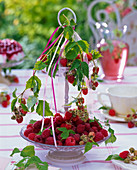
<point x="84" y="45"/>
<point x="38" y="81"/>
<point x="89" y="145"/>
<point x="24" y="107"/>
<point x="20" y="163"/>
<point x="14" y="93"/>
<point x="96" y="54"/>
<point x="111" y="48"/>
<point x="13" y="103"/>
<point x="117" y="157"/>
<point x="65" y="135"/>
<point x="111" y="130"/>
<point x="69" y="46"/>
<point x="15" y="150"/>
<point x="111" y="139"/>
<point x="31" y="83"/>
<point x="71" y="131"/>
<point x="63" y="129"/>
<point x="28" y="151"/>
<point x="32" y="121"/>
<point x="32" y="100"/>
<point x="104" y="48"/>
<point x="39" y="108"/>
<point x="32" y="108"/>
<point x="104" y="108"/>
<point x="72" y="22"/>
<point x="80" y="74"/>
<point x="74" y="101"/>
<point x="68" y="32"/>
<point x="39" y="65"/>
<point x="109" y="158"/>
<point x="71" y="54"/>
<point x="91" y="120"/>
<point x="85" y="69"/>
<point x="75" y="64"/>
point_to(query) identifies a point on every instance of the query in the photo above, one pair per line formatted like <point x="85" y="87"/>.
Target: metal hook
<point x="75" y="19"/>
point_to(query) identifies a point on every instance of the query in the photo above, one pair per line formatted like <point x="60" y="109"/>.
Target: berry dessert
<point x="10" y="50"/>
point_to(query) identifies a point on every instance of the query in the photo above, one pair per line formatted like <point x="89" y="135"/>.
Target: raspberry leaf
<point x="31" y="101"/>
<point x="104" y="108"/>
<point x="65" y="135"/>
<point x="71" y="131"/>
<point x="66" y="132"/>
<point x="111" y="139"/>
<point x="39" y="109"/>
<point x="16" y="150"/>
<point x="72" y="22"/>
<point x="75" y="64"/>
<point x="39" y="65"/>
<point x="71" y="54"/>
<point x="21" y="163"/>
<point x="14" y="93"/>
<point x="28" y="151"/>
<point x="95" y="54"/>
<point x="85" y="69"/>
<point x="24" y="107"/>
<point x="89" y="145"/>
<point x="31" y="83"/>
<point x="115" y="156"/>
<point x="68" y="32"/>
<point x="63" y="129"/>
<point x="83" y="45"/>
<point x="32" y="121"/>
<point x="13" y="103"/>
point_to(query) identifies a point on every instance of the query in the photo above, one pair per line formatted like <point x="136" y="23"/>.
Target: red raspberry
<point x="74" y="119"/>
<point x="20" y="119"/>
<point x="57" y="114"/>
<point x="59" y="143"/>
<point x="124" y="154"/>
<point x="63" y="125"/>
<point x="87" y="126"/>
<point x="47" y="122"/>
<point x="98" y="136"/>
<point x="104" y="132"/>
<point x="80" y="128"/>
<point x="43" y="58"/>
<point x="23" y="112"/>
<point x="46" y="133"/>
<point x="23" y="101"/>
<point x="16" y="80"/>
<point x="59" y="119"/>
<point x="49" y="141"/>
<point x="85" y="133"/>
<point x="57" y="131"/>
<point x="73" y="128"/>
<point x="79" y="121"/>
<point x="134" y="116"/>
<point x="70" y="141"/>
<point x="28" y="131"/>
<point x="29" y="126"/>
<point x="78" y="56"/>
<point x="68" y="126"/>
<point x="112" y="112"/>
<point x="95" y="70"/>
<point x="95" y="129"/>
<point x="68" y="115"/>
<point x="95" y="123"/>
<point x="37" y="126"/>
<point x="63" y="62"/>
<point x="128" y="115"/>
<point x="95" y="84"/>
<point x="38" y="138"/>
<point x="59" y="137"/>
<point x="131" y="124"/>
<point x="70" y="78"/>
<point x="76" y="137"/>
<point x="31" y="136"/>
<point x="4" y="103"/>
<point x="89" y="56"/>
<point x="85" y="90"/>
<point x="8" y="97"/>
<point x="81" y="100"/>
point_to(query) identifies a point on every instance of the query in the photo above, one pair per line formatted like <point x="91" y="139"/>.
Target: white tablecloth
<point x="9" y="129"/>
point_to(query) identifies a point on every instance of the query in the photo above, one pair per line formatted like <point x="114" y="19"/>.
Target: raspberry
<point x="4" y="103"/>
<point x="124" y="154"/>
<point x="23" y="112"/>
<point x="8" y="97"/>
<point x="59" y="119"/>
<point x="77" y="137"/>
<point x="28" y="131"/>
<point x="20" y="119"/>
<point x="16" y="80"/>
<point x="98" y="136"/>
<point x="79" y="121"/>
<point x="49" y="141"/>
<point x="81" y="100"/>
<point x="104" y="132"/>
<point x="57" y="131"/>
<point x="63" y="125"/>
<point x="31" y="136"/>
<point x="29" y="126"/>
<point x="85" y="90"/>
<point x="23" y="101"/>
<point x="95" y="129"/>
<point x="47" y="122"/>
<point x="68" y="115"/>
<point x="46" y="133"/>
<point x="95" y="123"/>
<point x="78" y="56"/>
<point x="112" y="112"/>
<point x="89" y="56"/>
<point x="131" y="124"/>
<point x="63" y="62"/>
<point x="57" y="114"/>
<point x="70" y="141"/>
<point x="80" y="128"/>
<point x="70" y="78"/>
<point x="96" y="84"/>
<point x="87" y="126"/>
<point x="74" y="119"/>
<point x="85" y="133"/>
<point x="68" y="126"/>
<point x="59" y="143"/>
<point x="59" y="137"/>
<point x="37" y="125"/>
<point x="128" y="115"/>
<point x="38" y="138"/>
<point x="73" y="128"/>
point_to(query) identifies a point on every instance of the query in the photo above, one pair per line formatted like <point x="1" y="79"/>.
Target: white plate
<point x="121" y="163"/>
<point x="114" y="118"/>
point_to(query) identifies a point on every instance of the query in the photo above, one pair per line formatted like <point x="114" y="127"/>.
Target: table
<point x="9" y="129"/>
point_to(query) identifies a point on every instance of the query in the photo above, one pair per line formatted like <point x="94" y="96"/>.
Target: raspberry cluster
<point x="4" y="99"/>
<point x="18" y="112"/>
<point x="129" y="156"/>
<point x="84" y="131"/>
<point x="12" y="78"/>
<point x="132" y="120"/>
<point x="93" y="82"/>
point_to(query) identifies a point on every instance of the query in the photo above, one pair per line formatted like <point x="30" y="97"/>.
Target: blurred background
<point x="31" y="22"/>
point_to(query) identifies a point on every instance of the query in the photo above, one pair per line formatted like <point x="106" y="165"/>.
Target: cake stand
<point x="61" y="155"/>
<point x="3" y="80"/>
